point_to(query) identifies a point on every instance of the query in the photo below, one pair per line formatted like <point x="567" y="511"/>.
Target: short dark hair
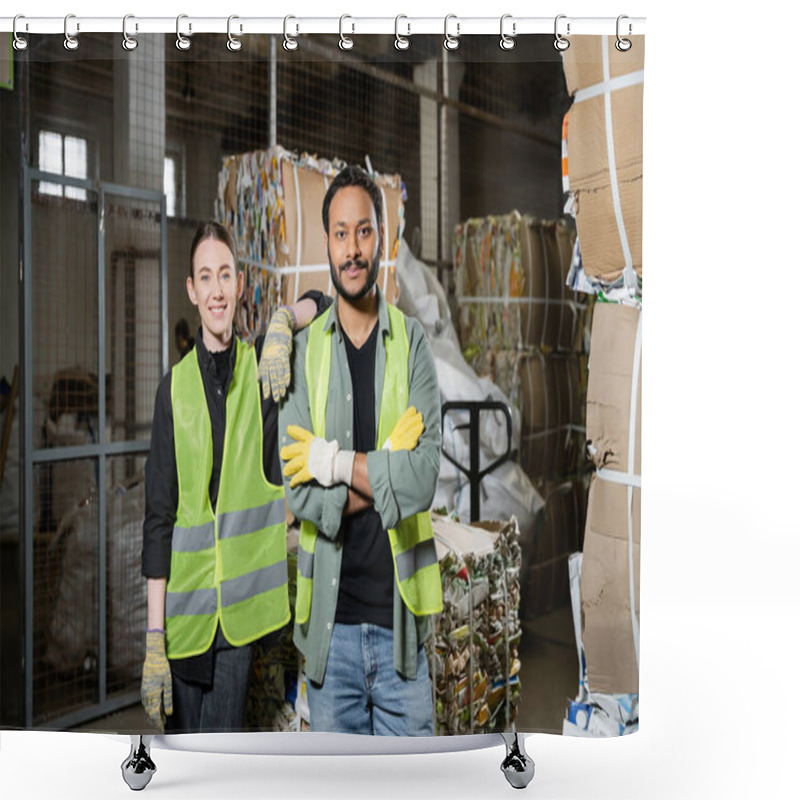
<point x="211" y="229"/>
<point x="353" y="176"/>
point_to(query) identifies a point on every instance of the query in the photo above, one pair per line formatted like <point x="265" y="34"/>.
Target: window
<point x="170" y="185"/>
<point x="63" y="155"/>
<point x="175" y="179"/>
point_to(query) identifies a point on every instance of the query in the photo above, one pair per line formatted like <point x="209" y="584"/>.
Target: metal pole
<point x="101" y="459"/>
<point x="475" y="463"/>
<point x="25" y="402"/>
<point x="27" y="450"/>
<point x="273" y="91"/>
<point x="164" y="289"/>
<point x="440" y="67"/>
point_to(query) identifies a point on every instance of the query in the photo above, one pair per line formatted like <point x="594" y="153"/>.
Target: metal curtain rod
<point x="452" y="25"/>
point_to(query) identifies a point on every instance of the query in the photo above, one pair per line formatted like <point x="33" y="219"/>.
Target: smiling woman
<point x="214" y="540"/>
<point x="215" y="284"/>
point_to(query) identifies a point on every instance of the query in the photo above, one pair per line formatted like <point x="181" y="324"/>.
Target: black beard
<point x="372" y="277"/>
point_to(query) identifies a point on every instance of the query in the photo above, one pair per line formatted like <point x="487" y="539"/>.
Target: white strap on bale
<point x="533" y="301"/>
<point x="637" y="351"/>
<point x="298" y="270"/>
<point x="625" y="478"/>
<point x="609" y="85"/>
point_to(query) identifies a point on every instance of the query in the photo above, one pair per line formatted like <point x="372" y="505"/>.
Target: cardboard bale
<point x="614" y="361"/>
<point x="551" y="402"/>
<point x="611" y="661"/>
<point x="613" y="526"/>
<point x="591" y="176"/>
<point x="510" y="276"/>
<point x="576" y="308"/>
<point x="559" y="533"/>
<point x="474" y="652"/>
<point x="539" y="407"/>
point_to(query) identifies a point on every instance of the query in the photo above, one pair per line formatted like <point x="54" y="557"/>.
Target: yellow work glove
<point x="407" y="431"/>
<point x="274" y="367"/>
<point x="156" y="680"/>
<point x="314" y="458"/>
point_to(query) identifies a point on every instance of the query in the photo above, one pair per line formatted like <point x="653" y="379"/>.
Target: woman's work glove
<point x="407" y="431"/>
<point x="274" y="368"/>
<point x="156" y="680"/>
<point x="313" y="458"/>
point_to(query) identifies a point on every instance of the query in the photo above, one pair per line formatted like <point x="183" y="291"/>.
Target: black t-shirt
<point x="366" y="580"/>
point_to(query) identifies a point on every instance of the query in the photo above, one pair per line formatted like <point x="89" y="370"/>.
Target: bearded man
<point x="361" y="429"/>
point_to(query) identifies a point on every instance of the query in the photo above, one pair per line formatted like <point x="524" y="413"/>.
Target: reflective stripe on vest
<point x="229" y="567"/>
<point x="413" y="550"/>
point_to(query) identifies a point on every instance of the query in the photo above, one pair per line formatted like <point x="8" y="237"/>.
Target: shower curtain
<point x="511" y="180"/>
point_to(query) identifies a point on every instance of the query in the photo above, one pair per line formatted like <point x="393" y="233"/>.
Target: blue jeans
<point x="199" y="709"/>
<point x="363" y="693"/>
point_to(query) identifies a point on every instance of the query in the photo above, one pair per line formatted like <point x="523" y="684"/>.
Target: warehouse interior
<point x="111" y="158"/>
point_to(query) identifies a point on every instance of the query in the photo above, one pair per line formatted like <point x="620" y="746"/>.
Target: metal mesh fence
<point x="88" y="602"/>
<point x="64" y="294"/>
<point x="472" y="133"/>
<point x="133" y="319"/>
<point x="64" y="593"/>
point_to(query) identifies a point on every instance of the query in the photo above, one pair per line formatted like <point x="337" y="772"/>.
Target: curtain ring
<point x="507" y="42"/>
<point x="345" y="42"/>
<point x="128" y="42"/>
<point x="234" y="44"/>
<point x="401" y="42"/>
<point x="623" y="45"/>
<point x="20" y="42"/>
<point x="451" y="42"/>
<point x="70" y="42"/>
<point x="560" y="42"/>
<point x="182" y="42"/>
<point x="289" y="42"/>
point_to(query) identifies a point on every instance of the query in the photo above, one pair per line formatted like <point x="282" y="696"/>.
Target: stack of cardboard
<point x="510" y="276"/>
<point x="522" y="326"/>
<point x="552" y="391"/>
<point x="604" y="157"/>
<point x="271" y="200"/>
<point x="558" y="534"/>
<point x="603" y="175"/>
<point x="610" y="576"/>
<point x="593" y="713"/>
<point x="474" y="653"/>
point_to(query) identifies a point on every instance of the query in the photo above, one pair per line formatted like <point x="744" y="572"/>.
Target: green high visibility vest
<point x="416" y="567"/>
<point x="228" y="565"/>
